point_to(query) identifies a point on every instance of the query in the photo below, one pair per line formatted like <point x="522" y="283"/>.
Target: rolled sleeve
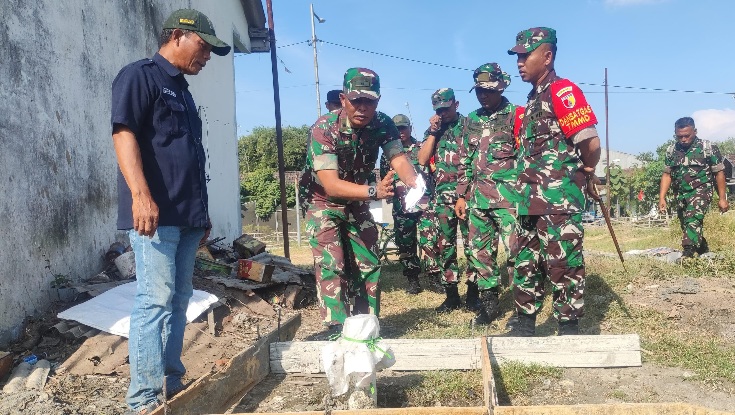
<point x="584" y="134"/>
<point x="325" y="162"/>
<point x="718" y="167"/>
<point x="392" y="149"/>
<point x="667" y="169"/>
<point x="322" y="149"/>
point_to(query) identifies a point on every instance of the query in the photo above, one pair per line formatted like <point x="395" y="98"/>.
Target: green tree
<point x="648" y="177"/>
<point x="262" y="187"/>
<point x="258" y="150"/>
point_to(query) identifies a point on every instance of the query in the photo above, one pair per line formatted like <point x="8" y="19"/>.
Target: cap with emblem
<point x="361" y="83"/>
<point x="198" y="22"/>
<point x="490" y="76"/>
<point x="401" y="120"/>
<point x="528" y="40"/>
<point x="442" y="98"/>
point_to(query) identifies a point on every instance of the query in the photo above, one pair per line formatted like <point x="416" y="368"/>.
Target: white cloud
<point x="622" y="3"/>
<point x="715" y="124"/>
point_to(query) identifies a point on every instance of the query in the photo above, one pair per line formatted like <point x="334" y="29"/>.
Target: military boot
<point x="686" y="255"/>
<point x="490" y="308"/>
<point x="414" y="287"/>
<point x="703" y="248"/>
<point x="568" y="328"/>
<point x="452" y="302"/>
<point x="435" y="284"/>
<point x="525" y="327"/>
<point x="472" y="301"/>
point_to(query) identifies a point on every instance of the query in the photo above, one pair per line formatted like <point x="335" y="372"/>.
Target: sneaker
<point x="144" y="409"/>
<point x="174" y="389"/>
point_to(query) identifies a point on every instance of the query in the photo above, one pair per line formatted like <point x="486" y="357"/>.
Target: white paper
<point x="415" y="194"/>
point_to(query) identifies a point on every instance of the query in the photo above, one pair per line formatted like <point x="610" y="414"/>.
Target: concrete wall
<point x="57" y="164"/>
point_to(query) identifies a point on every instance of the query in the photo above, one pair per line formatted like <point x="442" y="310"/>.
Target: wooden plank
<point x="609" y="409"/>
<point x="411" y="354"/>
<point x="218" y="391"/>
<point x="488" y="380"/>
<point x="569" y="351"/>
<point x="435" y="410"/>
<point x="464" y="354"/>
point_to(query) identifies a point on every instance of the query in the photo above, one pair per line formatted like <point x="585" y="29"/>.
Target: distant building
<point x="617" y="158"/>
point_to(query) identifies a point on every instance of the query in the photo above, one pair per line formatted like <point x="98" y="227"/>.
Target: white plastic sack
<point x="356" y="355"/>
<point x="415" y="194"/>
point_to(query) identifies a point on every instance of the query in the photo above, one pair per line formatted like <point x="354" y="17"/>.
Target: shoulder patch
<point x="571" y="107"/>
<point x="518" y="120"/>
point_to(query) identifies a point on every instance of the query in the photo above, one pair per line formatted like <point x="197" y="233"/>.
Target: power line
<point x="516" y="76"/>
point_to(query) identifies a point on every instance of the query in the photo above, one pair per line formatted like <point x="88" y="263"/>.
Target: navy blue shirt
<point x="152" y="98"/>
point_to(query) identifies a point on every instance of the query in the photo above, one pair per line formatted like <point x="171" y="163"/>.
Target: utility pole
<point x="316" y="61"/>
<point x="607" y="145"/>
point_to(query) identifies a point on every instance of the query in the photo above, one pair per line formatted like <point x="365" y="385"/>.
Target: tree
<point x="258" y="150"/>
<point x="648" y="177"/>
<point x="262" y="187"/>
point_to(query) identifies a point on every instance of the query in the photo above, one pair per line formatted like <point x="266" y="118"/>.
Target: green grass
<point x="515" y="380"/>
<point x="448" y="387"/>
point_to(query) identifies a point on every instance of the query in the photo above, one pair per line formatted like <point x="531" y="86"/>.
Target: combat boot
<point x="435" y="284"/>
<point x="414" y="287"/>
<point x="472" y="301"/>
<point x="452" y="302"/>
<point x="703" y="248"/>
<point x="686" y="255"/>
<point x="525" y="327"/>
<point x="490" y="308"/>
<point x="568" y="328"/>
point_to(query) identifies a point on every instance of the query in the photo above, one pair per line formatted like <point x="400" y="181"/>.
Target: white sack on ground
<point x="110" y="311"/>
<point x="356" y="355"/>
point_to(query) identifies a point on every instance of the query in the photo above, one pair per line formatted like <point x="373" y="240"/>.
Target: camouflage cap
<point x="198" y="22"/>
<point x="361" y="83"/>
<point x="442" y="98"/>
<point x="401" y="120"/>
<point x="528" y="40"/>
<point x="490" y="76"/>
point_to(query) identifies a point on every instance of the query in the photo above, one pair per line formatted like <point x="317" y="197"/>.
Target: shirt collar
<point x="168" y="67"/>
<point x="550" y="77"/>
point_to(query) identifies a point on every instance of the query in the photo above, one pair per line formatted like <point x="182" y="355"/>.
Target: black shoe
<point x="490" y="308"/>
<point x="472" y="301"/>
<point x="526" y="326"/>
<point x="452" y="302"/>
<point x="413" y="287"/>
<point x="568" y="328"/>
<point x="703" y="248"/>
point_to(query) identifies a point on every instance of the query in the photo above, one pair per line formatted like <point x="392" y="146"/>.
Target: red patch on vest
<point x="571" y="107"/>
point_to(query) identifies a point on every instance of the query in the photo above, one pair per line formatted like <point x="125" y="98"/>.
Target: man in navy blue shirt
<point x="162" y="197"/>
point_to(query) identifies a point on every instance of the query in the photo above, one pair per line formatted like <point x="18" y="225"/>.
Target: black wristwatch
<point x="373" y="192"/>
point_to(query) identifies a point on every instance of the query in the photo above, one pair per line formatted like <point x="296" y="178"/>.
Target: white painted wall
<point x="58" y="191"/>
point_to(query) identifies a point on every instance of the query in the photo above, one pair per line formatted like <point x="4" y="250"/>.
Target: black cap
<point x="333" y="96"/>
<point x="196" y="21"/>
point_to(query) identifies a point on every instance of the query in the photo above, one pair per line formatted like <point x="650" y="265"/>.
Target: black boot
<point x="413" y="285"/>
<point x="452" y="302"/>
<point x="688" y="252"/>
<point x="703" y="247"/>
<point x="435" y="284"/>
<point x="568" y="328"/>
<point x="472" y="302"/>
<point x="526" y="326"/>
<point x="490" y="308"/>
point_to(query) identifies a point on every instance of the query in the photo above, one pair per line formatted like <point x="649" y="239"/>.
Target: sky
<point x="679" y="45"/>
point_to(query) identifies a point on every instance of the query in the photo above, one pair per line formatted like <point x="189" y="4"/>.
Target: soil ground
<point x="681" y="301"/>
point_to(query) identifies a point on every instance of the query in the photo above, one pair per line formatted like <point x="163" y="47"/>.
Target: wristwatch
<point x="373" y="192"/>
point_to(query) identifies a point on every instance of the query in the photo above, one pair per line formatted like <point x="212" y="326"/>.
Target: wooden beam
<point x="434" y="410"/>
<point x="465" y="354"/>
<point x="218" y="391"/>
<point x="488" y="380"/>
<point x="609" y="409"/>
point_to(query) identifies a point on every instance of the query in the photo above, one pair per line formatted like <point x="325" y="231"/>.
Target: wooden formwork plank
<point x="488" y="380"/>
<point x="569" y="351"/>
<point x="464" y="354"/>
<point x="218" y="391"/>
<point x="610" y="409"/>
<point x="411" y="354"/>
<point x="434" y="410"/>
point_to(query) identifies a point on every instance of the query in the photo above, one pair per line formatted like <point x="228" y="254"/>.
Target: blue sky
<point x="669" y="44"/>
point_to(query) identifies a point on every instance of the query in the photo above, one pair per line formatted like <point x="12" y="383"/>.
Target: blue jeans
<point x="164" y="265"/>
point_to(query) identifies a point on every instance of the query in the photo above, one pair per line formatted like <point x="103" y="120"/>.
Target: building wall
<point x="57" y="165"/>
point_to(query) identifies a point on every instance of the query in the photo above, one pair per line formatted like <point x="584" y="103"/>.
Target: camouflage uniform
<point x="487" y="178"/>
<point x="343" y="233"/>
<point x="551" y="182"/>
<point x="692" y="169"/>
<point x="405" y="223"/>
<point x="438" y="226"/>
